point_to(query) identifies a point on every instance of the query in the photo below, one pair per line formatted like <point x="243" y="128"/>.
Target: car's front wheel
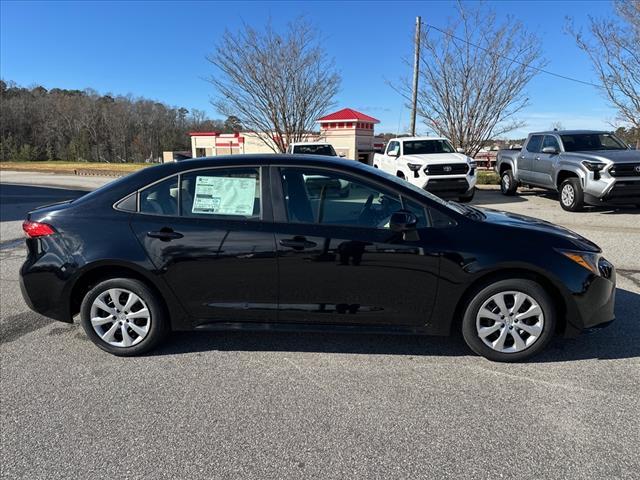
<point x="571" y="195"/>
<point x="123" y="316"/>
<point x="508" y="184"/>
<point x="509" y="320"/>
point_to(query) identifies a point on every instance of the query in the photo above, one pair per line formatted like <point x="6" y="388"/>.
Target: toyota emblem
<point x="637" y="169"/>
<point x="447" y="168"/>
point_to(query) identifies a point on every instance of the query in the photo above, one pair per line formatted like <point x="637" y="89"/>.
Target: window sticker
<point x="224" y="196"/>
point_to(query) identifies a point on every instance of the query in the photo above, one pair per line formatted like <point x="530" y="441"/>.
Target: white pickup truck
<point x="430" y="163"/>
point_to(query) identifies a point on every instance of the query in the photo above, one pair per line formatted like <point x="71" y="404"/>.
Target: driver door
<point x="390" y="161"/>
<point x="338" y="262"/>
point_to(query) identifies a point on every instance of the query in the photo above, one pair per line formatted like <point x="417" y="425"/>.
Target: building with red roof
<point x="349" y="131"/>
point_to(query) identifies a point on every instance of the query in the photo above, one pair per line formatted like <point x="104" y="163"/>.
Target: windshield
<point x="583" y="142"/>
<point x="419" y="147"/>
<point x="315" y="150"/>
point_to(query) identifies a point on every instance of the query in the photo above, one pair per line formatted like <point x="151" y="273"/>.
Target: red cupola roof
<point x="347" y="115"/>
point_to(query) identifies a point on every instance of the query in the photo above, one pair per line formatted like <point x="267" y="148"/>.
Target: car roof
<point x="295" y="144"/>
<point x="569" y="132"/>
<point x="417" y="138"/>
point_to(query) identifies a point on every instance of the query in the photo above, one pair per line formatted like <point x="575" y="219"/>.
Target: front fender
<point x="568" y="166"/>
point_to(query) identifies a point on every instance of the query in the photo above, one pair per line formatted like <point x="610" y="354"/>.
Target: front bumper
<point x="594" y="305"/>
<point x="608" y="189"/>
<point x="450" y="186"/>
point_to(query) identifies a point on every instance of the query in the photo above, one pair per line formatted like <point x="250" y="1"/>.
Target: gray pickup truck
<point x="584" y="166"/>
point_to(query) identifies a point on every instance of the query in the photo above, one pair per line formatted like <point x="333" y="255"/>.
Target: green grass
<point x="488" y="177"/>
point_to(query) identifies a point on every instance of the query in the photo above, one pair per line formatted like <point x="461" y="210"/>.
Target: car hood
<point x="436" y="158"/>
<point x="616" y="156"/>
<point x="523" y="222"/>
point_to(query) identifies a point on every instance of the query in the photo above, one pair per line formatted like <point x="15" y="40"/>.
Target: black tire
<point x="571" y="195"/>
<point x="483" y="294"/>
<point x="158" y="322"/>
<point x="508" y="184"/>
<point x="468" y="197"/>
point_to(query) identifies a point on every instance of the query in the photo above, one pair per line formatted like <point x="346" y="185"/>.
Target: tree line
<point x="82" y="125"/>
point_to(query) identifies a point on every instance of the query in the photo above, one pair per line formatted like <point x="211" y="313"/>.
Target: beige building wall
<point x="349" y="132"/>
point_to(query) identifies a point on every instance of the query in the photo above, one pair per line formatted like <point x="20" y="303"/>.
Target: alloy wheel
<point x="567" y="194"/>
<point x="510" y="321"/>
<point x="120" y="317"/>
<point x="505" y="182"/>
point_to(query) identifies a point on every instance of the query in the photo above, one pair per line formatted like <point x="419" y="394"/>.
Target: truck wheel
<point x="571" y="195"/>
<point x="508" y="184"/>
<point x="468" y="197"/>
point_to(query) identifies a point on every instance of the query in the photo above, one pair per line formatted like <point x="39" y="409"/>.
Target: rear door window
<point x="534" y="144"/>
<point x="160" y="198"/>
<point x="221" y="193"/>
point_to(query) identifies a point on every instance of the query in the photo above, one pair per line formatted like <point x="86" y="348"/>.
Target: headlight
<point x="593" y="166"/>
<point x="472" y="164"/>
<point x="414" y="167"/>
<point x="588" y="260"/>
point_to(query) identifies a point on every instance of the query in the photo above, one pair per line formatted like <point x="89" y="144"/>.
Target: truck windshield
<point x="584" y="142"/>
<point x="315" y="150"/>
<point x="419" y="147"/>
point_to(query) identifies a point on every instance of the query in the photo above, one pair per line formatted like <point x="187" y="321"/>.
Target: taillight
<point x="37" y="229"/>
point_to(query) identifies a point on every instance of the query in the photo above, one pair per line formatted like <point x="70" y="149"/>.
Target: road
<point x="261" y="405"/>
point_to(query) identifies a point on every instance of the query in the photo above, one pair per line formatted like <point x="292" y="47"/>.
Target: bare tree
<point x="472" y="76"/>
<point x="613" y="47"/>
<point x="276" y="85"/>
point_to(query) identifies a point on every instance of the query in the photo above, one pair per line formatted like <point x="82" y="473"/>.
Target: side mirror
<point x="341" y="155"/>
<point x="460" y="150"/>
<point x="406" y="223"/>
<point x="550" y="150"/>
<point x="394" y="153"/>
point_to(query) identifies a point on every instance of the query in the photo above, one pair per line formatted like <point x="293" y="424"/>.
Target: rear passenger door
<point x="527" y="156"/>
<point x="542" y="165"/>
<point x="206" y="232"/>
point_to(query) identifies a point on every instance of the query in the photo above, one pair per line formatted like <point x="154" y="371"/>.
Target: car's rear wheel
<point x="509" y="320"/>
<point x="508" y="184"/>
<point x="123" y="316"/>
<point x="571" y="195"/>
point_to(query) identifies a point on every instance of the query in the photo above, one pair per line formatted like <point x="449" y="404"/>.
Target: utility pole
<point x="416" y="68"/>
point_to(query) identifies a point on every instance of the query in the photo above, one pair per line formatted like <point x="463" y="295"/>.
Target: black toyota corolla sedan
<point x="274" y="242"/>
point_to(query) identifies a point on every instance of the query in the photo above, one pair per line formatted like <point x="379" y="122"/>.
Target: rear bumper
<point x="43" y="278"/>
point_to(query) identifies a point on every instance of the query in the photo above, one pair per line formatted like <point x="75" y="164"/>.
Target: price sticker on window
<point x="224" y="196"/>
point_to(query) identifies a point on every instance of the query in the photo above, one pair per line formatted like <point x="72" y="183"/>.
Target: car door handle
<point x="165" y="234"/>
<point x="297" y="243"/>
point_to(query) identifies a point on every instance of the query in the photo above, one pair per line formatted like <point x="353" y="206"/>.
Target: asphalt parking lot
<point x="262" y="405"/>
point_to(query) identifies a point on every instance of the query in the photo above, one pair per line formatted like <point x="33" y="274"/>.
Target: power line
<point x="541" y="70"/>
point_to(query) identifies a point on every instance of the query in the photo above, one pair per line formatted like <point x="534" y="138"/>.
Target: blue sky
<point x="158" y="49"/>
